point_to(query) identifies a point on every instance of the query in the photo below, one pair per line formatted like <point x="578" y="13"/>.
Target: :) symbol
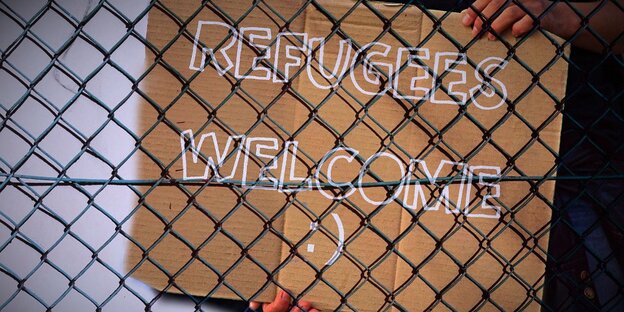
<point x="338" y="251"/>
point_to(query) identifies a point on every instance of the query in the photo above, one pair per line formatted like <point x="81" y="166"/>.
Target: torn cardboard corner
<point x="363" y="165"/>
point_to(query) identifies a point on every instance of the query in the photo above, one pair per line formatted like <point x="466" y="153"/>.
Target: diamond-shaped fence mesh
<point x="94" y="206"/>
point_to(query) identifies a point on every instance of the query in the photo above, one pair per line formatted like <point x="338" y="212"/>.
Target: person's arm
<point x="607" y="21"/>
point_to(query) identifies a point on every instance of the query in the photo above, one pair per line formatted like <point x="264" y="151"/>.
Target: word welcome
<point x="267" y="150"/>
<point x="369" y="81"/>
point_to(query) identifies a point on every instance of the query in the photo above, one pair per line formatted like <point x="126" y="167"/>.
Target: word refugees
<point x="376" y="75"/>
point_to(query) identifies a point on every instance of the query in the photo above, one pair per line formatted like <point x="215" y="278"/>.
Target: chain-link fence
<point x="109" y="202"/>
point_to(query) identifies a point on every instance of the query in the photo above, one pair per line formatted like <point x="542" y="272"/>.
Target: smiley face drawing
<point x="339" y="247"/>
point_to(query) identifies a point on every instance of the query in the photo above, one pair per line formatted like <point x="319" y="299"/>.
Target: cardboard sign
<point x="366" y="155"/>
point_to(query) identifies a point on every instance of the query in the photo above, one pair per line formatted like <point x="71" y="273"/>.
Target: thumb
<point x="280" y="304"/>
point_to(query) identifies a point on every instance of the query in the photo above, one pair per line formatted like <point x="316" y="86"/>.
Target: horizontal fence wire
<point x="68" y="199"/>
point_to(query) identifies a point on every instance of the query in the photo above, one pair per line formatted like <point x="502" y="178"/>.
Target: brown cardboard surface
<point x="202" y="230"/>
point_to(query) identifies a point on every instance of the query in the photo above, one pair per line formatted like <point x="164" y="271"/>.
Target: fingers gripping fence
<point x="108" y="183"/>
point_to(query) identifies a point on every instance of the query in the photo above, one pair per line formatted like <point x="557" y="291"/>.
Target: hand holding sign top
<point x="592" y="26"/>
<point x="504" y="14"/>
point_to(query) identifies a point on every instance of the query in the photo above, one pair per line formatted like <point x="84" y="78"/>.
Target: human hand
<point x="514" y="15"/>
<point x="282" y="304"/>
<point x="567" y="20"/>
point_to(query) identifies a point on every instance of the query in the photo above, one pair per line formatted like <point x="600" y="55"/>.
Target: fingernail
<point x="465" y="19"/>
<point x="474" y="31"/>
<point x="254" y="305"/>
<point x="491" y="37"/>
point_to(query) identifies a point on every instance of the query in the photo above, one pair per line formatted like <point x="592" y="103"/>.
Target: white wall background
<point x="32" y="120"/>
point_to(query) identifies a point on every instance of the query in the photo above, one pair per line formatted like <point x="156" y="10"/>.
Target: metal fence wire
<point x="71" y="144"/>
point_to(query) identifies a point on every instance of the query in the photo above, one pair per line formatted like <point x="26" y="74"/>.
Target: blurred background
<point x="39" y="46"/>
